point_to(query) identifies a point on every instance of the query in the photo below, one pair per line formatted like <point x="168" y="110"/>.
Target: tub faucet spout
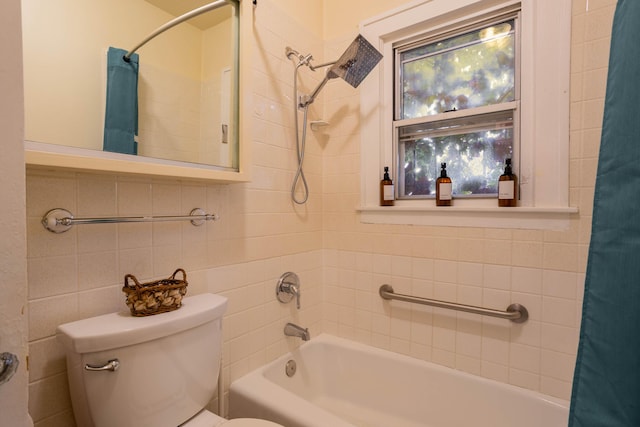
<point x="292" y="330"/>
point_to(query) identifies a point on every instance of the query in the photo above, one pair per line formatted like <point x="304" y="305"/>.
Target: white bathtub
<point x="340" y="383"/>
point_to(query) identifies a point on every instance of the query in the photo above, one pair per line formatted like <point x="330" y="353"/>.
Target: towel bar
<point x="60" y="220"/>
<point x="515" y="312"/>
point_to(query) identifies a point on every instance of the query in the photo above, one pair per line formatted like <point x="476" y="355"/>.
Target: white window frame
<point x="545" y="36"/>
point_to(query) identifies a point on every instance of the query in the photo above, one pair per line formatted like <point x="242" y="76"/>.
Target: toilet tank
<point x="168" y="364"/>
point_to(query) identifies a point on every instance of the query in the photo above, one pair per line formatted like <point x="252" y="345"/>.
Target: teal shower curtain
<point x="121" y="112"/>
<point x="606" y="387"/>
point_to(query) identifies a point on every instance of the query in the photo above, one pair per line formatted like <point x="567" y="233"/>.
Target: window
<point x="473" y="149"/>
<point x="469" y="83"/>
<point x="471" y="73"/>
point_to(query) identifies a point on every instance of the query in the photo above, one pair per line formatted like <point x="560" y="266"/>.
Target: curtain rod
<point x="178" y="20"/>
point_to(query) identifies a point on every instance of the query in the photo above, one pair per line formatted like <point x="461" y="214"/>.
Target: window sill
<point x="491" y="217"/>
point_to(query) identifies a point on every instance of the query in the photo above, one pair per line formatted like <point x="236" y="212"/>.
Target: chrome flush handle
<point x="112" y="365"/>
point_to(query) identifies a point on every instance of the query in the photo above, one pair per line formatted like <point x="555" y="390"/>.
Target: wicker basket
<point x="146" y="299"/>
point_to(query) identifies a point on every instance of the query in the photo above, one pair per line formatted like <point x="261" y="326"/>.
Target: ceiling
<point x="204" y="21"/>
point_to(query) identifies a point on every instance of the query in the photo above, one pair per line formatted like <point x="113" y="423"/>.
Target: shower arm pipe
<point x="308" y="99"/>
<point x="515" y="312"/>
<point x="326" y="64"/>
<point x="178" y="20"/>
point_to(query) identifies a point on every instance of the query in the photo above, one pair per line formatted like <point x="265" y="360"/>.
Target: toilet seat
<point x="208" y="419"/>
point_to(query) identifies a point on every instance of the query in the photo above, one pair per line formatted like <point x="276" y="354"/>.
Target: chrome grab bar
<point x="515" y="312"/>
<point x="60" y="220"/>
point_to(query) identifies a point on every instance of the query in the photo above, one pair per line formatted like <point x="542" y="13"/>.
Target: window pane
<point x="474" y="149"/>
<point x="466" y="71"/>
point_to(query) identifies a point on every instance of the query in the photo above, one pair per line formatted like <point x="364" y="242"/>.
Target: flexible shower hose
<point x="300" y="143"/>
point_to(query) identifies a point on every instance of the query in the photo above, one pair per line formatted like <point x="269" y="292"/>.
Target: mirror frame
<point x="47" y="156"/>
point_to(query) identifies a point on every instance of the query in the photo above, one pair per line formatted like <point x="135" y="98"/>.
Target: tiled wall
<point x="259" y="236"/>
<point x="169" y="121"/>
<point x="180" y="115"/>
<point x="79" y="273"/>
<point x="542" y="270"/>
<point x="341" y="262"/>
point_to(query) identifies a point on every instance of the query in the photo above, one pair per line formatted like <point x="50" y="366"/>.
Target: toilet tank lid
<point x="121" y="329"/>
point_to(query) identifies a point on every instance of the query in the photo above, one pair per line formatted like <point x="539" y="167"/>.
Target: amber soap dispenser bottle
<point x="387" y="193"/>
<point x="443" y="187"/>
<point x="508" y="187"/>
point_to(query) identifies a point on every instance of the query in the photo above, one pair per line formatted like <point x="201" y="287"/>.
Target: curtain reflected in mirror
<point x="187" y="82"/>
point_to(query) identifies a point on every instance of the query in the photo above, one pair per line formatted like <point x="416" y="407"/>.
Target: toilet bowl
<point x="155" y="371"/>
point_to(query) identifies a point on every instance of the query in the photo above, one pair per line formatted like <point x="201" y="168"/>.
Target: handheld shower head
<point x="289" y="52"/>
<point x="302" y="59"/>
<point x="353" y="66"/>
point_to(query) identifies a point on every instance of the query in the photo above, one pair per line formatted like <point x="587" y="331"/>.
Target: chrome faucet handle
<point x="288" y="287"/>
<point x="294" y="289"/>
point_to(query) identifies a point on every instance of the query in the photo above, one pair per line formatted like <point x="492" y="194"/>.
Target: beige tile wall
<point x="341" y="262"/>
<point x="259" y="236"/>
<point x="542" y="270"/>
<point x="169" y="123"/>
<point x="79" y="273"/>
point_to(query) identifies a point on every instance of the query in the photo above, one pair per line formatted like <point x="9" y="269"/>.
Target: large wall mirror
<point x="188" y="80"/>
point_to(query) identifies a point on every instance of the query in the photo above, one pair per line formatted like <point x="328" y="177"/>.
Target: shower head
<point x="356" y="62"/>
<point x="353" y="66"/>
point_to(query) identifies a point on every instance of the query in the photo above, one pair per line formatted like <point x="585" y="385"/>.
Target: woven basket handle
<point x="135" y="281"/>
<point x="179" y="270"/>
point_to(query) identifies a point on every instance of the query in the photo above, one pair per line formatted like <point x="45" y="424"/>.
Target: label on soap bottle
<point x="389" y="194"/>
<point x="506" y="190"/>
<point x="445" y="190"/>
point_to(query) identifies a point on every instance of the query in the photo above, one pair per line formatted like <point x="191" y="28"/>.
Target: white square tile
<point x="497" y="277"/>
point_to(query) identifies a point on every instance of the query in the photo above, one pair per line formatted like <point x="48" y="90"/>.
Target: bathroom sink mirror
<point x="188" y="82"/>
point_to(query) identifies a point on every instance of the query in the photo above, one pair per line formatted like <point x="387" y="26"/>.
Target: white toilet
<point x="156" y="371"/>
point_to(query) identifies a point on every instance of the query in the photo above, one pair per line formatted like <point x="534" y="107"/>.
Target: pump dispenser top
<point x="507" y="168"/>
